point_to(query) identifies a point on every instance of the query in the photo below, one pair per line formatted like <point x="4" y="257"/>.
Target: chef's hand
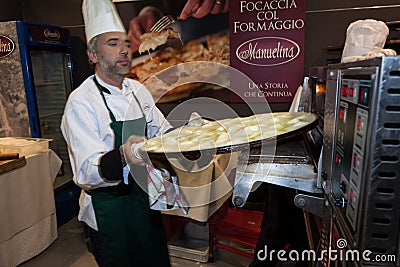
<point x="200" y="8"/>
<point x="142" y="24"/>
<point x="130" y="151"/>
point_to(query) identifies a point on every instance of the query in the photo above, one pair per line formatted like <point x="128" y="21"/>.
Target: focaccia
<point x="226" y="132"/>
<point x="152" y="40"/>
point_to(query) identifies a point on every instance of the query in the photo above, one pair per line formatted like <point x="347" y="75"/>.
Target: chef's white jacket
<point x="86" y="128"/>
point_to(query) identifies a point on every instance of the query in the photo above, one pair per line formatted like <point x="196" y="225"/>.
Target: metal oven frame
<point x="363" y="210"/>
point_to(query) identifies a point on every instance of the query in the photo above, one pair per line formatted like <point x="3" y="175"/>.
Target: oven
<point x="348" y="177"/>
<point x="359" y="167"/>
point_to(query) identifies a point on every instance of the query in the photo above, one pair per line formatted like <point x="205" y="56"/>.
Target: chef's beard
<point x="113" y="68"/>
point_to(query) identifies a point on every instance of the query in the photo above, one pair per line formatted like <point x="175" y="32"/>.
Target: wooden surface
<point x="8" y="165"/>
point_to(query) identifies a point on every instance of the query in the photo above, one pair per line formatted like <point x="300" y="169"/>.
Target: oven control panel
<point x="349" y="151"/>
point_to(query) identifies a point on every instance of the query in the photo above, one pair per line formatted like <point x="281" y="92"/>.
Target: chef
<point x="104" y="118"/>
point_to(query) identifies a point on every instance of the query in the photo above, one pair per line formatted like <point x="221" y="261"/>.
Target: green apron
<point x="130" y="233"/>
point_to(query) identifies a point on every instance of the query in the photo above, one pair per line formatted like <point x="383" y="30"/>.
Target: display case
<point x="36" y="71"/>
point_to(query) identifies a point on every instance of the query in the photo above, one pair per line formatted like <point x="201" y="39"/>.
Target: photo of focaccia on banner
<point x="174" y="71"/>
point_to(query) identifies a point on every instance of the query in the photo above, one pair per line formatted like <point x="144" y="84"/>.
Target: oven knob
<point x="340" y="202"/>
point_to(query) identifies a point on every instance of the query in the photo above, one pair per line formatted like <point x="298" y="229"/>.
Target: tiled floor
<point x="69" y="251"/>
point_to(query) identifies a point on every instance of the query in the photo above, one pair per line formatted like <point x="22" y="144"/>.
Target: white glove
<point x="196" y="120"/>
<point x="130" y="150"/>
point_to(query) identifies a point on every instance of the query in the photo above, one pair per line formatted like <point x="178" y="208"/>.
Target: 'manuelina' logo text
<point x="267" y="51"/>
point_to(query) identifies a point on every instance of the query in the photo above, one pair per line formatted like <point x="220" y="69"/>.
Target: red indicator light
<point x="351" y="196"/>
<point x="341" y="113"/>
<point x="362" y="95"/>
<point x="355" y="160"/>
<point x="344" y="90"/>
<point x="351" y="92"/>
<point x="359" y="124"/>
<point x="337" y="158"/>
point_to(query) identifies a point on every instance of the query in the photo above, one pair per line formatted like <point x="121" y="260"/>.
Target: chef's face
<point x="112" y="53"/>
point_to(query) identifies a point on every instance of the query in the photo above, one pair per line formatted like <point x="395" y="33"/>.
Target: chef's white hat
<point x="364" y="36"/>
<point x="100" y="16"/>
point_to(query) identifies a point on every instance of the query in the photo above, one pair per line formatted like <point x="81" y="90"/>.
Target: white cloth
<point x="302" y="99"/>
<point x="363" y="36"/>
<point x="28" y="222"/>
<point x="163" y="190"/>
<point x="206" y="190"/>
<point x="371" y="54"/>
<point x="100" y="16"/>
<point x="86" y="128"/>
<point x="196" y="120"/>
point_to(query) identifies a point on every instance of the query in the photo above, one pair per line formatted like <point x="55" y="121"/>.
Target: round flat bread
<point x="216" y="49"/>
<point x="229" y="132"/>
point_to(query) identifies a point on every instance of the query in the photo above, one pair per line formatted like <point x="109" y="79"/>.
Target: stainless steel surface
<point x="312" y="204"/>
<point x="317" y="84"/>
<point x="326" y="236"/>
<point x="291" y="167"/>
<point x="361" y="155"/>
<point x="329" y="126"/>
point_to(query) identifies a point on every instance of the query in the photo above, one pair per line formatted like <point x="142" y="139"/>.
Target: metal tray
<point x="160" y="159"/>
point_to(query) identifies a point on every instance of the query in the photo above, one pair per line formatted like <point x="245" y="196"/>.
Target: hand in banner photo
<point x="187" y="19"/>
<point x="199" y="9"/>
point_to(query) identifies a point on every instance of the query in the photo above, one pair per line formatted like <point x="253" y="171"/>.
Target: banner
<point x="267" y="44"/>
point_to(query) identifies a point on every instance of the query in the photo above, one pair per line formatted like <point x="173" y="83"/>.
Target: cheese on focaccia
<point x="152" y="40"/>
<point x="229" y="132"/>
